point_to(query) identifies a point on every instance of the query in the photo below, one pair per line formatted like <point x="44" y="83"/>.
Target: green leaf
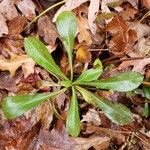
<point x="123" y="82"/>
<point x="66" y="25"/>
<point x="147" y="92"/>
<point x="117" y="113"/>
<point x="14" y="106"/>
<point x="91" y="74"/>
<point x="40" y="54"/>
<point x="73" y="118"/>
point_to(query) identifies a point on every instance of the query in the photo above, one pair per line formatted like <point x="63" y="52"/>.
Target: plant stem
<point x="45" y="11"/>
<point x="71" y="71"/>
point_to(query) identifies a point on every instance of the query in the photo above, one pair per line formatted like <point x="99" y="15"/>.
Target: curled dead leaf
<point x="83" y="55"/>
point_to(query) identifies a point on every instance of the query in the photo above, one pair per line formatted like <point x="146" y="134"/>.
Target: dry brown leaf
<point x="83" y="34"/>
<point x="16" y="25"/>
<point x="129" y="12"/>
<point x="55" y="139"/>
<point x="8" y="83"/>
<point x="59" y="140"/>
<point x="138" y="65"/>
<point x="97" y="142"/>
<point x="134" y="3"/>
<point x="118" y="24"/>
<point x="123" y="38"/>
<point x="92" y="117"/>
<point x="69" y="5"/>
<point x="8" y="9"/>
<point x="121" y="43"/>
<point x="145" y="3"/>
<point x="47" y="30"/>
<point x="112" y="134"/>
<point x="44" y="114"/>
<point x="15" y="62"/>
<point x="92" y="13"/>
<point x="143" y="46"/>
<point x="3" y="26"/>
<point x="83" y="55"/>
<point x="27" y="8"/>
<point x="104" y="5"/>
<point x="141" y="29"/>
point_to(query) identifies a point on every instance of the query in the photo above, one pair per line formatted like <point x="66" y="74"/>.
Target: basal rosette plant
<point x="15" y="106"/>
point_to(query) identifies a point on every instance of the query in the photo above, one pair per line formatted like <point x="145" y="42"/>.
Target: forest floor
<point x="117" y="32"/>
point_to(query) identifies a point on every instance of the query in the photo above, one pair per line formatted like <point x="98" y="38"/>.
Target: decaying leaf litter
<point x="116" y="33"/>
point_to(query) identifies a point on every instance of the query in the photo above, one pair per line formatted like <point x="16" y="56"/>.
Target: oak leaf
<point x="15" y="62"/>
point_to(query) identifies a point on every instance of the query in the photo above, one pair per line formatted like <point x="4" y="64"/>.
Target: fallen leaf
<point x="111" y="3"/>
<point x="83" y="34"/>
<point x="92" y="117"/>
<point x="134" y="3"/>
<point x="3" y="26"/>
<point x="143" y="46"/>
<point x="16" y="25"/>
<point x="92" y="14"/>
<point x="123" y="39"/>
<point x="97" y="142"/>
<point x="69" y="5"/>
<point x="83" y="55"/>
<point x="138" y="65"/>
<point x="141" y="29"/>
<point x="8" y="9"/>
<point x="59" y="140"/>
<point x="15" y="62"/>
<point x="55" y="139"/>
<point x="123" y="43"/>
<point x="112" y="134"/>
<point x="145" y="3"/>
<point x="128" y="12"/>
<point x="72" y="4"/>
<point x="118" y="24"/>
<point x="9" y="83"/>
<point x="27" y="8"/>
<point x="44" y="114"/>
<point x="47" y="30"/>
<point x="28" y="67"/>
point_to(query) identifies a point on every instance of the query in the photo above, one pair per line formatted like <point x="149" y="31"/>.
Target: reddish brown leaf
<point x="47" y="30"/>
<point x="118" y="24"/>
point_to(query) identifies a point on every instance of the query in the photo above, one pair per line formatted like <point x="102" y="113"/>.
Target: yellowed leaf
<point x="15" y="62"/>
<point x="83" y="55"/>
